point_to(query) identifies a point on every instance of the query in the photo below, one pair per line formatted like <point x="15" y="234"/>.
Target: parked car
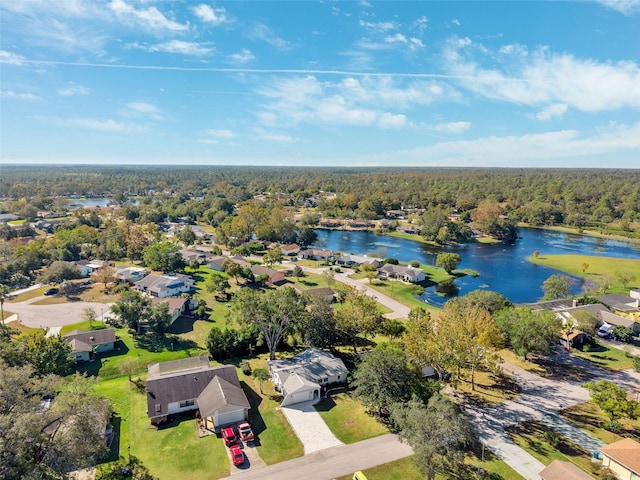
<point x="51" y="291"/>
<point x="245" y="432"/>
<point x="229" y="436"/>
<point x="605" y="331"/>
<point x="237" y="455"/>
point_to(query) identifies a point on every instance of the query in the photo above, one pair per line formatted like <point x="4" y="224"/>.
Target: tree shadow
<point x="113" y="454"/>
<point x="325" y="404"/>
<point x="255" y="417"/>
<point x="182" y="325"/>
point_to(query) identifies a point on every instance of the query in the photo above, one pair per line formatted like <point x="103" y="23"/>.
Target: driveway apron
<point x="310" y="427"/>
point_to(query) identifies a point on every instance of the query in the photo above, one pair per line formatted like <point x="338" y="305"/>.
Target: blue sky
<point x="392" y="83"/>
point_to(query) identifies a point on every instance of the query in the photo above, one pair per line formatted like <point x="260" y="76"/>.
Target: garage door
<point x="228" y="418"/>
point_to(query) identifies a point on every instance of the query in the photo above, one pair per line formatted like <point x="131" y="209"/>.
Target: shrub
<point x="415" y="264"/>
<point x="624" y="334"/>
<point x="245" y="366"/>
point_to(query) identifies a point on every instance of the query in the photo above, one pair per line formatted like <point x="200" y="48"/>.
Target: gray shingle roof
<point x="93" y="337"/>
<point x="221" y="396"/>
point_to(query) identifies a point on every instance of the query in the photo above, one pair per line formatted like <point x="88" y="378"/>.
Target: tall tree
<point x="275" y="313"/>
<point x="130" y="308"/>
<point x="529" y="331"/>
<point x="218" y="284"/>
<point x="158" y="317"/>
<point x="383" y="378"/>
<point x="105" y="275"/>
<point x="58" y="272"/>
<point x="438" y="433"/>
<point x="320" y="329"/>
<point x="358" y="315"/>
<point x="612" y="400"/>
<point x="448" y="261"/>
<point x="4" y="295"/>
<point x="48" y="355"/>
<point x="163" y="256"/>
<point x="557" y="285"/>
<point x="261" y="375"/>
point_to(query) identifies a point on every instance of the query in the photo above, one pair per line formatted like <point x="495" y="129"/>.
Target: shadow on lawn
<point x="93" y="367"/>
<point x="255" y="418"/>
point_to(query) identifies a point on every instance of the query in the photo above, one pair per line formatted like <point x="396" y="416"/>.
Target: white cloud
<point x="626" y="7"/>
<point x="545" y="77"/>
<point x="96" y="124"/>
<point x="556" y="110"/>
<point x="261" y="32"/>
<point x="421" y="23"/>
<point x="73" y="89"/>
<point x="275" y="137"/>
<point x="145" y="110"/>
<point x="367" y="102"/>
<point x="456" y="22"/>
<point x="378" y="26"/>
<point x="397" y="38"/>
<point x="244" y="56"/>
<point x="522" y="150"/>
<point x="18" y="95"/>
<point x="11" y="58"/>
<point x="177" y="46"/>
<point x="221" y="133"/>
<point x="451" y="127"/>
<point x="215" y="16"/>
<point x="149" y="17"/>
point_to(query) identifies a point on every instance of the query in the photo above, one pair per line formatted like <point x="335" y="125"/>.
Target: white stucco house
<point x="130" y="274"/>
<point x="85" y="344"/>
<point x="302" y="377"/>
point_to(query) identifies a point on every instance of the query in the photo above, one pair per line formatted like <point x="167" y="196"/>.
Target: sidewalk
<point x="578" y="436"/>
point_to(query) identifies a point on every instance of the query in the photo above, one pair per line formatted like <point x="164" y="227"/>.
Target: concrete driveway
<point x="310" y="427"/>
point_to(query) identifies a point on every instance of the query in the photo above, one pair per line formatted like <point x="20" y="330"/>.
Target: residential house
<point x="302" y="377"/>
<point x="574" y="339"/>
<point x="622" y="303"/>
<point x="330" y="224"/>
<point x="326" y="292"/>
<point x="290" y="249"/>
<point x="358" y="260"/>
<point x="410" y="229"/>
<point x="561" y="470"/>
<point x="130" y="274"/>
<point x="361" y="224"/>
<point x="274" y="277"/>
<point x="88" y="267"/>
<point x="189" y="384"/>
<point x="401" y="272"/>
<point x="635" y="293"/>
<point x="177" y="306"/>
<point x="622" y="458"/>
<point x="216" y="263"/>
<point x="85" y="344"/>
<point x="618" y="321"/>
<point x="8" y="217"/>
<point x="317" y="254"/>
<point x="162" y="286"/>
<point x="189" y="255"/>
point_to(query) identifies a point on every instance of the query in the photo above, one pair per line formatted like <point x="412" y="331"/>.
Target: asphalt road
<point x="48" y="316"/>
<point x="334" y="462"/>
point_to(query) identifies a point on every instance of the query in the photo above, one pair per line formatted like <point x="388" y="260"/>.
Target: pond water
<point x="502" y="268"/>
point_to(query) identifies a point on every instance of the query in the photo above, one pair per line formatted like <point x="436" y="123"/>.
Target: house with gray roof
<point x="302" y="377"/>
<point x="620" y="321"/>
<point x="351" y="260"/>
<point x="85" y="344"/>
<point x="188" y="384"/>
<point x="401" y="272"/>
<point x="622" y="303"/>
<point x="162" y="286"/>
<point x="317" y="254"/>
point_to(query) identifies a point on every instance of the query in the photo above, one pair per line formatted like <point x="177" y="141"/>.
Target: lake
<point x="503" y="268"/>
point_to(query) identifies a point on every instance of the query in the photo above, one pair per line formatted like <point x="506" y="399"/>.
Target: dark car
<point x="229" y="436"/>
<point x="51" y="291"/>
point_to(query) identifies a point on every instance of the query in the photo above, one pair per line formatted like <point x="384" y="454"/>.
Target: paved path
<point x="253" y="460"/>
<point x="334" y="462"/>
<point x="398" y="310"/>
<point x="310" y="427"/>
<point x="570" y="431"/>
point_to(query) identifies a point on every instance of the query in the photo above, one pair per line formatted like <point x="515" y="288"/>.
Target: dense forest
<point x="589" y="198"/>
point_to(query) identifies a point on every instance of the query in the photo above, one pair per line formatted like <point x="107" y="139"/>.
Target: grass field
<point x="348" y="419"/>
<point x="590" y="418"/>
<point x="597" y="268"/>
<point x="606" y="357"/>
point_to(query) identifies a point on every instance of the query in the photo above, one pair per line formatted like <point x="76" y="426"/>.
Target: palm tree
<point x="4" y="295"/>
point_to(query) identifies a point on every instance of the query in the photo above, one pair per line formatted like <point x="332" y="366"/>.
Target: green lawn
<point x="174" y="451"/>
<point x="606" y="357"/>
<point x="348" y="419"/>
<point x="406" y="469"/>
<point x="36" y="292"/>
<point x="404" y="293"/>
<point x="589" y="417"/>
<point x="596" y="268"/>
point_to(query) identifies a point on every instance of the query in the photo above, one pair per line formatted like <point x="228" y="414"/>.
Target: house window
<point x="187" y="403"/>
<point x="158" y="408"/>
<point x="338" y="377"/>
